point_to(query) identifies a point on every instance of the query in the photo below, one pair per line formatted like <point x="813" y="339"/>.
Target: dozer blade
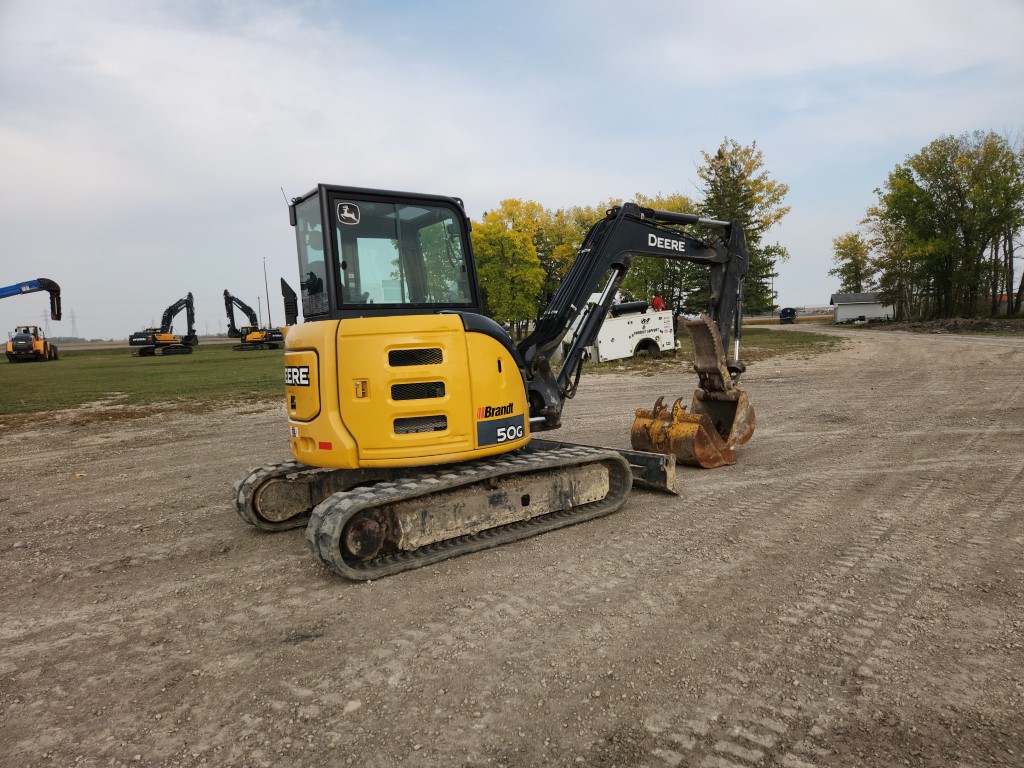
<point x="719" y="418"/>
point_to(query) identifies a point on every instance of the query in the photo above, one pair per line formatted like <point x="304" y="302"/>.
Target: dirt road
<point x="851" y="593"/>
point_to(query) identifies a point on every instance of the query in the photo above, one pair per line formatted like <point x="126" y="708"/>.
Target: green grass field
<point x="212" y="373"/>
<point x="215" y="373"/>
<point x="762" y="343"/>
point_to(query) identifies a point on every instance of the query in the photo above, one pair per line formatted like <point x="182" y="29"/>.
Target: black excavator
<point x="162" y="340"/>
<point x="413" y="418"/>
<point x="253" y="337"/>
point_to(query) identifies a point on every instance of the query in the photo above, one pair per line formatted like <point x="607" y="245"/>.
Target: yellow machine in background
<point x="413" y="417"/>
<point x="29" y="343"/>
<point x="252" y="336"/>
<point x="162" y="340"/>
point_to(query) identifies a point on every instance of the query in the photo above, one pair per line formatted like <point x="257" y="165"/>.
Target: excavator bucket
<point x="719" y="417"/>
<point x="690" y="437"/>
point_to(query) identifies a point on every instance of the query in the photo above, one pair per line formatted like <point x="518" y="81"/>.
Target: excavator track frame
<point x="651" y="471"/>
<point x="327" y="525"/>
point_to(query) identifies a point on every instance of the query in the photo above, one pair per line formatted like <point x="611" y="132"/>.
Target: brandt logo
<point x="348" y="213"/>
<point x="490" y="411"/>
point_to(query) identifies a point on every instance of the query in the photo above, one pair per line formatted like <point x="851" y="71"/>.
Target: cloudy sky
<point x="145" y="145"/>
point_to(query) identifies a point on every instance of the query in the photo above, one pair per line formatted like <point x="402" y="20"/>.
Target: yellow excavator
<point x="413" y="418"/>
<point x="252" y="336"/>
<point x="150" y="341"/>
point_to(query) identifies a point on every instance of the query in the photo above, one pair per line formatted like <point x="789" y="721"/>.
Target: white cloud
<point x="735" y="41"/>
<point x="145" y="145"/>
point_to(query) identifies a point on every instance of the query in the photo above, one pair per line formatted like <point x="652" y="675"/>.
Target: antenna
<point x="284" y="196"/>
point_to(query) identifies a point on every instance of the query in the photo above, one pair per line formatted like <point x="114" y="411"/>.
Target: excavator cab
<point x="398" y="254"/>
<point x="393" y="326"/>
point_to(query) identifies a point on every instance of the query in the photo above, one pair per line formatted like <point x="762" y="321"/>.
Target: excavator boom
<point x="230" y="302"/>
<point x="607" y="252"/>
<point x="31" y="286"/>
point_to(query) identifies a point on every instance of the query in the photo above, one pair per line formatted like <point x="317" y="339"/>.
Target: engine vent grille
<point x="401" y="357"/>
<point x="422" y="390"/>
<point x="421" y="424"/>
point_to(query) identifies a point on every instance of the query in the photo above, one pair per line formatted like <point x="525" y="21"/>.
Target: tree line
<point x="940" y="240"/>
<point x="524" y="250"/>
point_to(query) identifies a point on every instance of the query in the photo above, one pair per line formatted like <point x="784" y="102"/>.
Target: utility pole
<point x="267" y="288"/>
<point x="259" y="309"/>
<point x="74" y="325"/>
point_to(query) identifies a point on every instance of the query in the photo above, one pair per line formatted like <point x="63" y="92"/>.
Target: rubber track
<point x="329" y="518"/>
<point x="245" y="495"/>
<point x="315" y="483"/>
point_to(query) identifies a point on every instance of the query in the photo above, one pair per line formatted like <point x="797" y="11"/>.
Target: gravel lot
<point x="848" y="594"/>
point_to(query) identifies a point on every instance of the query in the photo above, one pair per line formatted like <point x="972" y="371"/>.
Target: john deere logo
<point x="490" y="411"/>
<point x="348" y="213"/>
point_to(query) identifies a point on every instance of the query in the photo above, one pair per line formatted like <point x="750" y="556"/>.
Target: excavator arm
<point x="609" y="248"/>
<point x="230" y="302"/>
<point x="31" y="286"/>
<point x="172" y="311"/>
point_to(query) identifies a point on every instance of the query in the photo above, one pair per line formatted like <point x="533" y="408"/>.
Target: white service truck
<point x="631" y="330"/>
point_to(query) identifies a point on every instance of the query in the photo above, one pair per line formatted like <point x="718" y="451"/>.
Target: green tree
<point x="852" y="256"/>
<point x="510" y="272"/>
<point x="558" y="239"/>
<point x="522" y="240"/>
<point x="737" y="187"/>
<point x="894" y="264"/>
<point x="945" y="211"/>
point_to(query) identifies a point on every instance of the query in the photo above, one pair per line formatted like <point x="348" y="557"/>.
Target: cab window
<point x="313" y="278"/>
<point x="399" y="254"/>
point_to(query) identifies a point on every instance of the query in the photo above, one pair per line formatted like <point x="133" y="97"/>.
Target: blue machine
<point x="31" y="286"/>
